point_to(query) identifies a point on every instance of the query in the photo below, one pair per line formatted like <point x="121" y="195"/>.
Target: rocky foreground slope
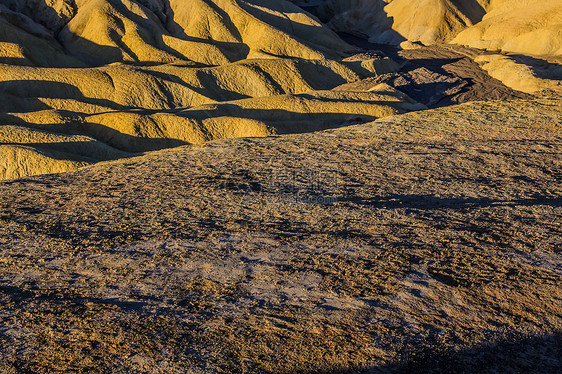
<point x="428" y="242"/>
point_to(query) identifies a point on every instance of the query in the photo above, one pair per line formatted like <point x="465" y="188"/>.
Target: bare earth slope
<point x="428" y="242"/>
<point x="213" y="32"/>
<point x="516" y="28"/>
<point x="394" y="21"/>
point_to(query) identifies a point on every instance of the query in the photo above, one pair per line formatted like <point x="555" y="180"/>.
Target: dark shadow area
<point x="14" y="104"/>
<point x="429" y="202"/>
<point x="283" y="119"/>
<point x="111" y="140"/>
<point x="329" y="100"/>
<point x="114" y="53"/>
<point x="154" y="39"/>
<point x="49" y="13"/>
<point x="364" y="44"/>
<point x="471" y="9"/>
<point x="435" y="65"/>
<point x="310" y="73"/>
<point x="126" y="142"/>
<point x="41" y="31"/>
<point x="225" y="17"/>
<point x="379" y="18"/>
<point x="438" y="76"/>
<point x="18" y="61"/>
<point x="34" y="89"/>
<point x="433" y="95"/>
<point x="426" y="81"/>
<point x="232" y="51"/>
<point x="512" y="354"/>
<point x="541" y="67"/>
<point x="310" y="7"/>
<point x="106" y="54"/>
<point x="30" y="293"/>
<point x="299" y="31"/>
<point x="212" y="88"/>
<point x="74" y="151"/>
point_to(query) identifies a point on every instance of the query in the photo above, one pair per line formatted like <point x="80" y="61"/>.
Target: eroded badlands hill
<point x="519" y="26"/>
<point x="428" y="242"/>
<point x="403" y="239"/>
<point x="511" y="31"/>
<point x="91" y="80"/>
<point x="83" y="81"/>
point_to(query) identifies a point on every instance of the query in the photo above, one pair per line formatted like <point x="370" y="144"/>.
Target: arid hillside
<point x="521" y="40"/>
<point x="92" y="80"/>
<point x="427" y="242"/>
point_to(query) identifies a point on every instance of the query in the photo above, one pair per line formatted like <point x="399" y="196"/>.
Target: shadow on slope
<point x="472" y="9"/>
<point x="429" y="202"/>
<point x="364" y="20"/>
<point x="35" y="89"/>
<point x="438" y="75"/>
<point x="122" y="143"/>
<point x="517" y="354"/>
<point x="541" y="67"/>
<point x="15" y="61"/>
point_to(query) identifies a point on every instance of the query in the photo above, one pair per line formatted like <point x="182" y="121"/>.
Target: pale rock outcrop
<point x="519" y="26"/>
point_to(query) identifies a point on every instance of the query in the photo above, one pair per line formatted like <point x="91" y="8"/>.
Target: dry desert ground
<point x="274" y="186"/>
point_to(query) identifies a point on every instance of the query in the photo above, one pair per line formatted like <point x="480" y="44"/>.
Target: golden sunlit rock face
<point x="280" y="186"/>
<point x="130" y="76"/>
<point x="394" y="21"/>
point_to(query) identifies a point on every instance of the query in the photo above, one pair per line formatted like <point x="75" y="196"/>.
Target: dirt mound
<point x="524" y="73"/>
<point x="130" y="76"/>
<point x="136" y="75"/>
<point x="42" y="141"/>
<point x="527" y="27"/>
<point x="441" y="75"/>
<point x="399" y="239"/>
<point x="26" y="151"/>
<point x="172" y="86"/>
